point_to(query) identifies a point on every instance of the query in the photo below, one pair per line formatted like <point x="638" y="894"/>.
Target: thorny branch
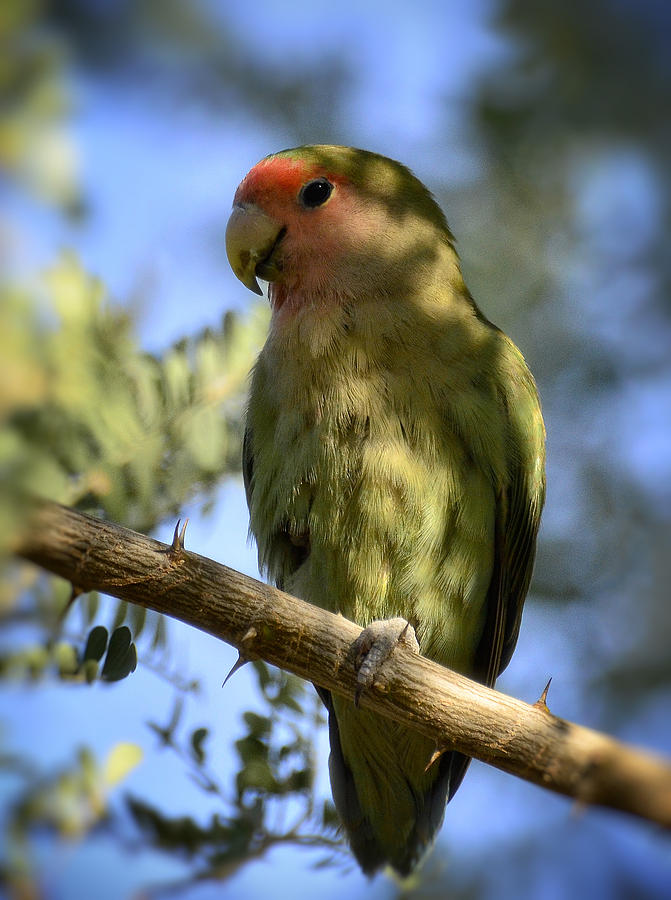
<point x="262" y="622"/>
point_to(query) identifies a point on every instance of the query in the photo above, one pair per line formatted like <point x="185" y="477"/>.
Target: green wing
<point x="518" y="512"/>
<point x="289" y="550"/>
<point x="247" y="465"/>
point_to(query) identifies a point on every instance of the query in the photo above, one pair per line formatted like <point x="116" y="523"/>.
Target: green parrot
<point x="394" y="455"/>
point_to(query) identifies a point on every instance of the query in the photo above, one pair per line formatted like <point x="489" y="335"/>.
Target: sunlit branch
<point x="262" y="622"/>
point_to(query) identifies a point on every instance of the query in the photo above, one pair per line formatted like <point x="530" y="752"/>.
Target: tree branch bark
<point x="262" y="622"/>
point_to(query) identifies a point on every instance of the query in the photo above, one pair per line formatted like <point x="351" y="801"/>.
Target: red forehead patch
<point x="277" y="176"/>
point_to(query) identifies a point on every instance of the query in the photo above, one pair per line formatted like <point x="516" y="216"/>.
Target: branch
<point x="262" y="622"/>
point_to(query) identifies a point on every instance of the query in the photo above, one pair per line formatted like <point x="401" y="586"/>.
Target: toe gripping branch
<point x="375" y="645"/>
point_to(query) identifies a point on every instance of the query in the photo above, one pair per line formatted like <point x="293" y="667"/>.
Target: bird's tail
<point x="391" y="807"/>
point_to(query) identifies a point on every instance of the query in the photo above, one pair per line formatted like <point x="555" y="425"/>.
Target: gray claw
<point x="374" y="645"/>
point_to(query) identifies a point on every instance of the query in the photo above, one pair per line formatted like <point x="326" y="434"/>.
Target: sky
<point x="159" y="182"/>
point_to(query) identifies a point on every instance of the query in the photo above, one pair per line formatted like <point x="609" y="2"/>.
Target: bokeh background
<point x="544" y="131"/>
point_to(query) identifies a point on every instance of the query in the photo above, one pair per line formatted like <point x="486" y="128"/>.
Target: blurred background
<point x="125" y="343"/>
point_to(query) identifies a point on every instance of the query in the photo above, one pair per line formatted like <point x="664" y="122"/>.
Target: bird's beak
<point x="251" y="238"/>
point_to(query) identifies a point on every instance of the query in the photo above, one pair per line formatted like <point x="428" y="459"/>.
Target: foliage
<point x="36" y="145"/>
<point x="578" y="151"/>
<point x="92" y="421"/>
<point x="276" y="764"/>
<point x="70" y="803"/>
<point x="62" y="658"/>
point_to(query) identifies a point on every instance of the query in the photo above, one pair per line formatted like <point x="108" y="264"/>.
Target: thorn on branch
<point x="243" y="657"/>
<point x="435" y="756"/>
<point x="541" y="703"/>
<point x="249" y="636"/>
<point x="177" y="545"/>
<point x="238" y="664"/>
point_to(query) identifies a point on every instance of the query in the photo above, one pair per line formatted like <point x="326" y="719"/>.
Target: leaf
<point x="121" y="760"/>
<point x="330" y="818"/>
<point x="91" y="606"/>
<point x="262" y="672"/>
<point x="138" y="618"/>
<point x="197" y="739"/>
<point x="35" y="659"/>
<point x="96" y="644"/>
<point x="287" y="695"/>
<point x="259" y="726"/>
<point x="159" y="638"/>
<point x="120" y="614"/>
<point x="65" y="657"/>
<point x="250" y="748"/>
<point x="89" y="670"/>
<point x="121" y="657"/>
<point x="257" y="775"/>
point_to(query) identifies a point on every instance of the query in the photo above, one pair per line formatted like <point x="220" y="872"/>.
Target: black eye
<point x="316" y="192"/>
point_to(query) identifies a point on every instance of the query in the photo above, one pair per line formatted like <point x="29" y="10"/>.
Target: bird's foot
<point x="375" y="644"/>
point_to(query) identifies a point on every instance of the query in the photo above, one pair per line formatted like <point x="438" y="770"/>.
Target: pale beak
<point x="251" y="238"/>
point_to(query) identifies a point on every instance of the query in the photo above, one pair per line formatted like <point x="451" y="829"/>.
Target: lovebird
<point x="394" y="455"/>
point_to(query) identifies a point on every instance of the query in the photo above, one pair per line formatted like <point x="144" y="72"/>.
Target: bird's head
<point x="322" y="221"/>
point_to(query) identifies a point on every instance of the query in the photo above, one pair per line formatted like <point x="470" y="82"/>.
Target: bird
<point x="393" y="456"/>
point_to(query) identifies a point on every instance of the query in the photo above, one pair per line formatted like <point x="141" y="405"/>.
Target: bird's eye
<point x="315" y="192"/>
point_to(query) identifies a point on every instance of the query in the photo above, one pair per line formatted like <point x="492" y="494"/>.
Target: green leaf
<point x="197" y="740"/>
<point x="138" y="618"/>
<point x="288" y="693"/>
<point x="159" y="638"/>
<point x="121" y="760"/>
<point x="259" y="726"/>
<point x="121" y="657"/>
<point x="91" y="606"/>
<point x="330" y="818"/>
<point x="35" y="659"/>
<point x="120" y="614"/>
<point x="89" y="670"/>
<point x="257" y="775"/>
<point x="96" y="644"/>
<point x="250" y="748"/>
<point x="65" y="657"/>
<point x="262" y="672"/>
